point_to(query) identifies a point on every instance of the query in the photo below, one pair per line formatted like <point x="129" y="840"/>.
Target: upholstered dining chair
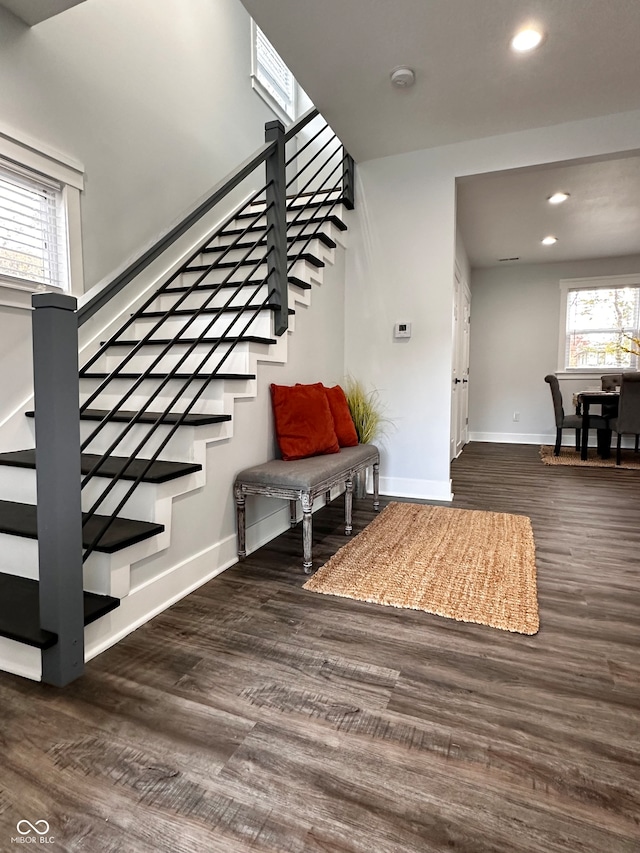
<point x="569" y="421"/>
<point x="628" y="420"/>
<point x="610" y="381"/>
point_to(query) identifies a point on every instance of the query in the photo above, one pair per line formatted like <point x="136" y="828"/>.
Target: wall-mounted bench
<point x="303" y="480"/>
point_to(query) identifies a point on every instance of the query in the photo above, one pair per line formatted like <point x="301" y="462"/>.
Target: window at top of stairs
<point x="271" y="78"/>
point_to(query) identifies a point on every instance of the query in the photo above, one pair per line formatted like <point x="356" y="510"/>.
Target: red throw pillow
<point x="303" y="420"/>
<point x="342" y="420"/>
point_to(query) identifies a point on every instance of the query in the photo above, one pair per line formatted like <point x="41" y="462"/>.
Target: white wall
<point x="401" y="267"/>
<point x="514" y="344"/>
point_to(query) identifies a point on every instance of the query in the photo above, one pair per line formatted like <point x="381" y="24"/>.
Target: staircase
<point x="153" y="394"/>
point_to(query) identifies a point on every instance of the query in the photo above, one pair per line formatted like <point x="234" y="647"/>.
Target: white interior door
<point x="460" y="372"/>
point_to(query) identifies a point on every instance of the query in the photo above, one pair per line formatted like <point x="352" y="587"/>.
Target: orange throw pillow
<point x="303" y="421"/>
<point x="342" y="420"/>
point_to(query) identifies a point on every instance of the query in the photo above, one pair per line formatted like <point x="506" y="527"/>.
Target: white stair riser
<point x="179" y="447"/>
<point x="295" y="229"/>
<point x="301" y="269"/>
<point x="19" y="484"/>
<point x="209" y="402"/>
<point x="116" y="388"/>
<point x="307" y="196"/>
<point x="211" y="299"/>
<point x="227" y="324"/>
<point x="313" y="247"/>
<point x="237" y="361"/>
<point x="105" y="574"/>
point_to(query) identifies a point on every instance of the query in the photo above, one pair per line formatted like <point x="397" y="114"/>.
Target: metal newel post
<point x="59" y="513"/>
<point x="348" y="180"/>
<point x="277" y="224"/>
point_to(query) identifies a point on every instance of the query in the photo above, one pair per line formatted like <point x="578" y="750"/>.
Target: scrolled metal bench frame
<point x="303" y="480"/>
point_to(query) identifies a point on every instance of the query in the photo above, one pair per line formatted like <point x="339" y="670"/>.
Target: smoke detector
<point x="403" y="77"/>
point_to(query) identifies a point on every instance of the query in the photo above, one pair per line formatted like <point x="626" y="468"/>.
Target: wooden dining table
<point x="584" y="400"/>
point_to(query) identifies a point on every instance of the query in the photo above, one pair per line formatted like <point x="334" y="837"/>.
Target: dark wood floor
<point x="257" y="716"/>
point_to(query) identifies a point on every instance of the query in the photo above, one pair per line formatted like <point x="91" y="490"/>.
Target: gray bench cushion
<point x="307" y="474"/>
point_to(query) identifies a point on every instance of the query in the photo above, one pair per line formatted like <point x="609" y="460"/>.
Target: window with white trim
<point x="40" y="232"/>
<point x="602" y="323"/>
<point x="33" y="229"/>
<point x="270" y="77"/>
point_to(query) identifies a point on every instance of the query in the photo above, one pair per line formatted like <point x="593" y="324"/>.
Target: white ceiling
<point x="470" y="85"/>
<point x="506" y="214"/>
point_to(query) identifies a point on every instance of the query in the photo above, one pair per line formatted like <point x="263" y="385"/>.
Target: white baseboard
<point x="427" y="490"/>
<point x="568" y="438"/>
<point x="517" y="437"/>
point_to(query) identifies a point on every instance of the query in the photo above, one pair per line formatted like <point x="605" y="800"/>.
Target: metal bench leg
<point x="376" y="485"/>
<point x="241" y="516"/>
<point x="348" y="506"/>
<point x="293" y="513"/>
<point x="307" y="532"/>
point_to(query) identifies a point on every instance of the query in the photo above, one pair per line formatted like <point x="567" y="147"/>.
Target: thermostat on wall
<point x="402" y="330"/>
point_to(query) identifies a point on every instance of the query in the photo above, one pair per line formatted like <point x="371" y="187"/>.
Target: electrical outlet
<point x="516" y="417"/>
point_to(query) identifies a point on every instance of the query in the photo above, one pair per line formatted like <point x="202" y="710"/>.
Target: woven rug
<point x="569" y="456"/>
<point x="464" y="564"/>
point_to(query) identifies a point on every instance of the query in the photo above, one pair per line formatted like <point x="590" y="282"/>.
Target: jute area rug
<point x="569" y="456"/>
<point x="464" y="564"/>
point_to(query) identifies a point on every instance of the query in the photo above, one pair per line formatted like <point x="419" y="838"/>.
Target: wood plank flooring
<point x="256" y="716"/>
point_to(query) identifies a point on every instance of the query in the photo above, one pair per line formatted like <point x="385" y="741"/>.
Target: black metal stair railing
<point x="248" y="285"/>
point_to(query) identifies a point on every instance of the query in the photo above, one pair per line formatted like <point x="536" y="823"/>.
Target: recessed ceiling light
<point x="526" y="40"/>
<point x="549" y="241"/>
<point x="558" y="198"/>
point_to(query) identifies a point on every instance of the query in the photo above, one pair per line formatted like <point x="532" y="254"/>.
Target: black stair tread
<point x="332" y="217"/>
<point x="209" y="285"/>
<point x="303" y="285"/>
<point x="161" y="470"/>
<point x="20" y="611"/>
<point x="302" y="238"/>
<point x="18" y="519"/>
<point x="252" y="339"/>
<point x="90" y="374"/>
<point x="149" y="417"/>
<point x="224" y="265"/>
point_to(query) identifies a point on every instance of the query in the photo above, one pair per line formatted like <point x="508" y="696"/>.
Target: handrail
<point x="303" y="121"/>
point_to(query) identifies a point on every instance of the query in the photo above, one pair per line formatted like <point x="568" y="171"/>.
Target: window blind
<point x="274" y="74"/>
<point x="32" y="230"/>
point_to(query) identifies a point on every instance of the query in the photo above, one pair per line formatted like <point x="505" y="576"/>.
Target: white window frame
<point x="286" y="115"/>
<point x="567" y="285"/>
<point x="42" y="164"/>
